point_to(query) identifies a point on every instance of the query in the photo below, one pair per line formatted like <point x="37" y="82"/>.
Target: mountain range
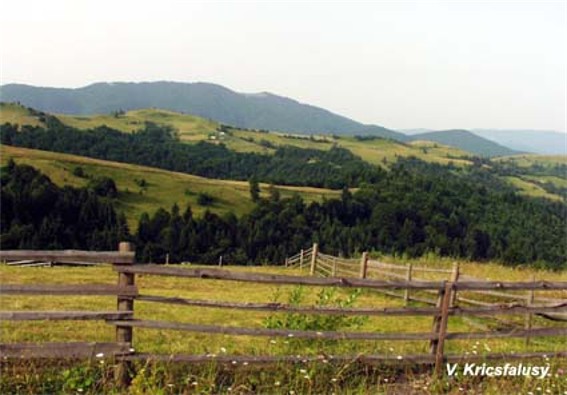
<point x="254" y="111"/>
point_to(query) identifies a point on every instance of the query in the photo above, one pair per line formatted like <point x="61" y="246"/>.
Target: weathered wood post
<point x="220" y="261"/>
<point x="364" y="264"/>
<point x="454" y="279"/>
<point x="286" y="263"/>
<point x="408" y="279"/>
<point x="440" y="321"/>
<point x="301" y="257"/>
<point x="124" y="333"/>
<point x="529" y="302"/>
<point x="334" y="273"/>
<point x="314" y="253"/>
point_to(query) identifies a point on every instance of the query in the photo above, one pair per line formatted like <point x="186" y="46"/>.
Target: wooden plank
<point x="519" y="333"/>
<point x="501" y="294"/>
<point x="63" y="350"/>
<point x="228" y="330"/>
<point x="502" y="309"/>
<point x="67" y="289"/>
<point x="387" y="311"/>
<point x="494" y="285"/>
<point x="218" y="274"/>
<point x="439" y="352"/>
<point x="63" y="315"/>
<point x="68" y="256"/>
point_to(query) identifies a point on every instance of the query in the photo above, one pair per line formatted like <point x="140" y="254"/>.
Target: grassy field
<point x="380" y="152"/>
<point x="164" y="188"/>
<point x="193" y="129"/>
<point x="320" y="377"/>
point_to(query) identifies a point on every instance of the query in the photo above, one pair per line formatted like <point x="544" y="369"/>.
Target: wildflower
<point x="290" y="335"/>
<point x="306" y="377"/>
<point x="302" y="371"/>
<point x="273" y="341"/>
<point x="234" y="362"/>
<point x="277" y="383"/>
<point x="223" y="350"/>
<point x="131" y="350"/>
<point x="99" y="355"/>
<point x="391" y="349"/>
<point x="319" y="333"/>
<point x="334" y="380"/>
<point x="79" y="390"/>
<point x="194" y="383"/>
<point x="399" y="357"/>
<point x="170" y="385"/>
<point x="245" y="363"/>
<point x="385" y="380"/>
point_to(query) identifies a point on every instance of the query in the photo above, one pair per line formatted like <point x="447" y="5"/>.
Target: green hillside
<point x="377" y="151"/>
<point x="193" y="129"/>
<point x="164" y="188"/>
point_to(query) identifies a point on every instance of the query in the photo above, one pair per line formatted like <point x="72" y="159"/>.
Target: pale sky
<point x="438" y="65"/>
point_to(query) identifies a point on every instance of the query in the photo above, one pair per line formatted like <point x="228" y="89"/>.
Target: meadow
<point x="316" y="377"/>
<point x="162" y="188"/>
<point x="381" y="152"/>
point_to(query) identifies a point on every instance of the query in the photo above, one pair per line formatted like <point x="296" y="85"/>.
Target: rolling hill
<point x="467" y="141"/>
<point x="256" y="111"/>
<point x="163" y="188"/>
<point x="192" y="129"/>
<point x="377" y="151"/>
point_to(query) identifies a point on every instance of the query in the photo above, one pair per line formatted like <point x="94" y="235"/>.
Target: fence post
<point x="364" y="264"/>
<point x="408" y="279"/>
<point x="454" y="279"/>
<point x="286" y="263"/>
<point x="301" y="259"/>
<point x="529" y="302"/>
<point x="220" y="260"/>
<point x="440" y="321"/>
<point x="314" y="253"/>
<point x="124" y="333"/>
<point x="334" y="274"/>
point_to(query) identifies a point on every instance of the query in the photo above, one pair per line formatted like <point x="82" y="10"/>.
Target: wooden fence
<point x="321" y="264"/>
<point x="124" y="320"/>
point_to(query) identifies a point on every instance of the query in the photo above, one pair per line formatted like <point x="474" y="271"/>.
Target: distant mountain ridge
<point x="467" y="141"/>
<point x="246" y="110"/>
<point x="257" y="111"/>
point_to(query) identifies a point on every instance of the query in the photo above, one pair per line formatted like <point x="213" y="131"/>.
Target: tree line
<point x="158" y="146"/>
<point x="37" y="214"/>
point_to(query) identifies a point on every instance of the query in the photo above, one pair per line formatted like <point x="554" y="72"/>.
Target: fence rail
<point x="326" y="265"/>
<point x="125" y="322"/>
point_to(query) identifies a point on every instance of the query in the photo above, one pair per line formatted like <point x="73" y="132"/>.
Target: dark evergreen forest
<point x="158" y="146"/>
<point x="413" y="209"/>
<point x="37" y="214"/>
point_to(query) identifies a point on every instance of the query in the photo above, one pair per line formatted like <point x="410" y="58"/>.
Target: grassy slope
<point x="165" y="188"/>
<point x="192" y="128"/>
<point x="379" y="152"/>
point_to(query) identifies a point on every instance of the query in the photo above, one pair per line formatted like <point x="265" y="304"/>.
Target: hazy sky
<point x="399" y="64"/>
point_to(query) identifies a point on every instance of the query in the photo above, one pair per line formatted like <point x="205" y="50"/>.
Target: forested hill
<point x="157" y="146"/>
<point x="467" y="141"/>
<point x="414" y="209"/>
<point x="256" y="111"/>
